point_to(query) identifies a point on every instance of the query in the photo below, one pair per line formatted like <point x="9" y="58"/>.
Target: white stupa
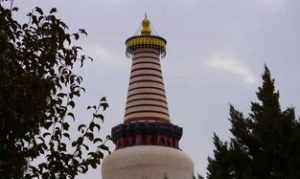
<point x="147" y="142"/>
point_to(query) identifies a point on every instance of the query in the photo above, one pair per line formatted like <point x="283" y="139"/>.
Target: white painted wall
<point x="147" y="162"/>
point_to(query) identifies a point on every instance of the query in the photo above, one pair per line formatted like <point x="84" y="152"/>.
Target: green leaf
<point x="76" y="36"/>
<point x="93" y="164"/>
<point x="108" y="137"/>
<point x="92" y="107"/>
<point x="104" y="105"/>
<point x="98" y="116"/>
<point x="66" y="126"/>
<point x="85" y="146"/>
<point x="53" y="10"/>
<point x="83" y="31"/>
<point x="67" y="135"/>
<point x="104" y="147"/>
<point x="74" y="143"/>
<point x="81" y="127"/>
<point x="46" y="134"/>
<point x="72" y="104"/>
<point x="93" y="125"/>
<point x="90" y="136"/>
<point x="103" y="99"/>
<point x="42" y="166"/>
<point x="39" y="10"/>
<point x="97" y="140"/>
<point x="62" y="95"/>
<point x="71" y="115"/>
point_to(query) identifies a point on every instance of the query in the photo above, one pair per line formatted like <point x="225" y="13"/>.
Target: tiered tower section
<point x="147" y="120"/>
<point x="146" y="98"/>
<point x="147" y="143"/>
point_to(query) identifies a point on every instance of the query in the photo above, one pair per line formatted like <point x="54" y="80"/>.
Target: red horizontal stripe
<point x="146" y="62"/>
<point x="146" y="74"/>
<point x="145" y="87"/>
<point x="154" y="69"/>
<point x="146" y="51"/>
<point x="142" y="81"/>
<point x="162" y="95"/>
<point x="145" y="56"/>
<point x="153" y="105"/>
<point x="150" y="99"/>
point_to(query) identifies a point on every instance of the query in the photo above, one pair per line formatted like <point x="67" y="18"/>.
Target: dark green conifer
<point x="264" y="145"/>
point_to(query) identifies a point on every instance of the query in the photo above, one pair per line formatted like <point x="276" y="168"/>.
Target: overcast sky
<point x="215" y="56"/>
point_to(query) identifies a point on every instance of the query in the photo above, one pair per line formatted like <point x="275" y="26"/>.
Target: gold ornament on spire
<point x="146" y="40"/>
<point x="146" y="30"/>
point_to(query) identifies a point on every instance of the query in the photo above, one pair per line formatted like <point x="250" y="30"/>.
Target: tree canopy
<point x="265" y="144"/>
<point x="38" y="91"/>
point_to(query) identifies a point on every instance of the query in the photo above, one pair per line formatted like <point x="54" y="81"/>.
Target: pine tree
<point x="265" y="144"/>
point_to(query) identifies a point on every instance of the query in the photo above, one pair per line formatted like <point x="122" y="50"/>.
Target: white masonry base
<point x="147" y="162"/>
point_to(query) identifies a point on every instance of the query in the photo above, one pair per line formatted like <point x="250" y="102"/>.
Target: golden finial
<point x="145" y="40"/>
<point x="146" y="30"/>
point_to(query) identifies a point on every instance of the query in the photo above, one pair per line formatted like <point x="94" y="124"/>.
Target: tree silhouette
<point x="38" y="92"/>
<point x="265" y="144"/>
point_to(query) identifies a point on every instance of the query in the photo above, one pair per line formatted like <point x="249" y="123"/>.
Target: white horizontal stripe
<point x="147" y="115"/>
<point x="141" y="78"/>
<point x="146" y="51"/>
<point x="147" y="108"/>
<point x="141" y="55"/>
<point x="152" y="55"/>
<point x="146" y="102"/>
<point x="142" y="96"/>
<point x="146" y="84"/>
<point x="145" y="59"/>
<point x="146" y="65"/>
<point x="146" y="90"/>
<point x="140" y="72"/>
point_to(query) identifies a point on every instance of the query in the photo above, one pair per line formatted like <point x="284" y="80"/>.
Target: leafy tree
<point x="198" y="176"/>
<point x="38" y="91"/>
<point x="265" y="144"/>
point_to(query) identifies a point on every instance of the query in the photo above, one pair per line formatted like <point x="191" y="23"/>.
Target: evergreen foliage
<point x="38" y="92"/>
<point x="265" y="144"/>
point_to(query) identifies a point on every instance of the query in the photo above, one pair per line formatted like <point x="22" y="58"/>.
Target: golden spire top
<point x="145" y="40"/>
<point x="146" y="30"/>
